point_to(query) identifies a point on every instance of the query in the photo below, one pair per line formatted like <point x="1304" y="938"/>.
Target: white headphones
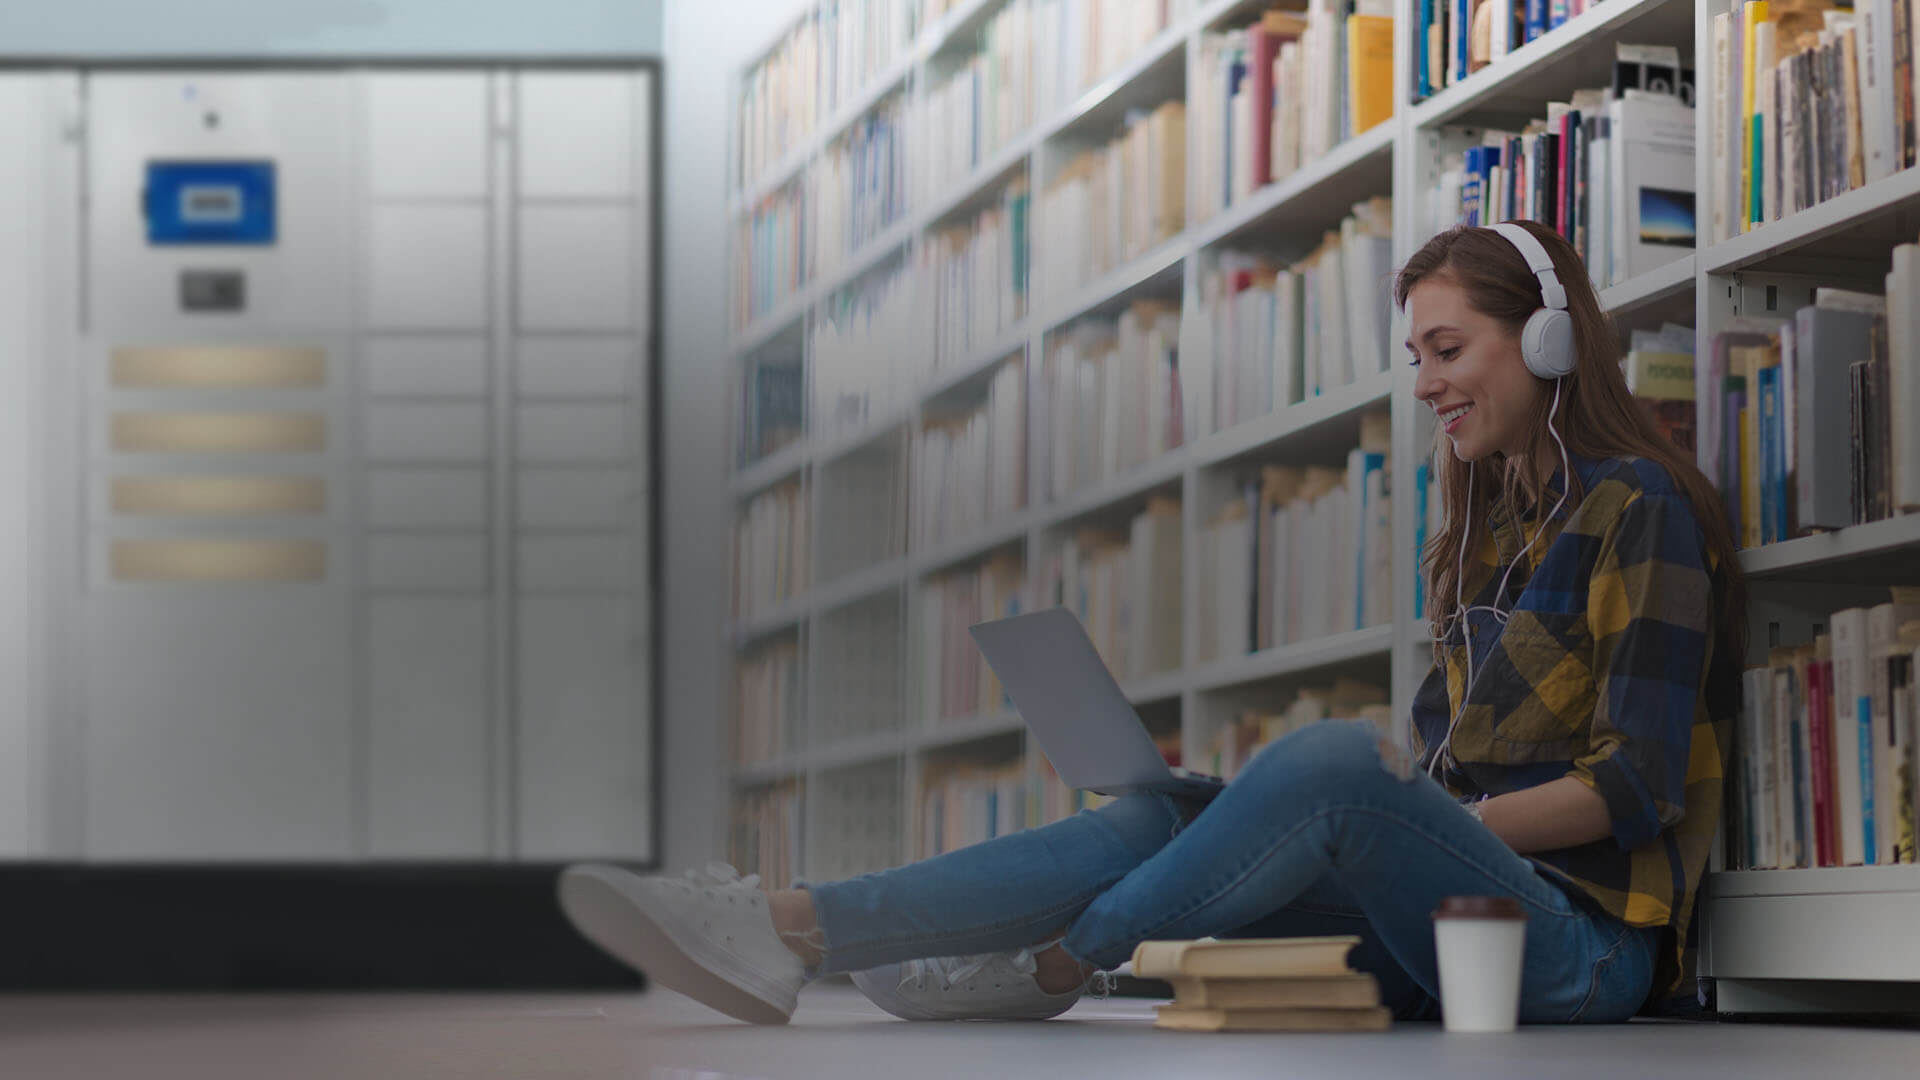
<point x="1546" y="342"/>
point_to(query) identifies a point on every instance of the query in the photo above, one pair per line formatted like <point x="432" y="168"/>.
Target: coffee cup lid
<point x="1480" y="907"/>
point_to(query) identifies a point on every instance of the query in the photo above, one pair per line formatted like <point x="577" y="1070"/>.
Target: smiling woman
<point x="1571" y="736"/>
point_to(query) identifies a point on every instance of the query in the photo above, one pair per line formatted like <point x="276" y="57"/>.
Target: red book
<point x="1262" y="46"/>
<point x="1820" y="738"/>
<point x="1563" y="172"/>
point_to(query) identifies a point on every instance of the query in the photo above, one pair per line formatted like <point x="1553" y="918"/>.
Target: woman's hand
<point x="1558" y="814"/>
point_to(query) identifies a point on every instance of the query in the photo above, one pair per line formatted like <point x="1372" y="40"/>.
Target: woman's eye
<point x="1449" y="353"/>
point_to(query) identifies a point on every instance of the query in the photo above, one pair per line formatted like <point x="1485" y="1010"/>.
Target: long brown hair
<point x="1597" y="417"/>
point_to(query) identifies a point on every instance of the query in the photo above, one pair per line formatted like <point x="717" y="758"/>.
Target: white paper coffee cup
<point x="1481" y="942"/>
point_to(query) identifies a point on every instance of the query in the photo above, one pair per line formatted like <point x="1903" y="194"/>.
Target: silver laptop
<point x="1076" y="711"/>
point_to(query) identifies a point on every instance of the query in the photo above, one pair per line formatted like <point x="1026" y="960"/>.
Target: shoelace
<point x="719" y="875"/>
<point x="951" y="970"/>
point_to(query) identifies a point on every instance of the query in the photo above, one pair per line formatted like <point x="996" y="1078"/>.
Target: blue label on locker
<point x="210" y="202"/>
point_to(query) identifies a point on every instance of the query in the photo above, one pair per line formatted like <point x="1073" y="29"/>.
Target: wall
<point x="702" y="54"/>
<point x="267" y="28"/>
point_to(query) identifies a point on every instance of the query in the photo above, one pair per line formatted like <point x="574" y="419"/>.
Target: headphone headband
<point x="1552" y="293"/>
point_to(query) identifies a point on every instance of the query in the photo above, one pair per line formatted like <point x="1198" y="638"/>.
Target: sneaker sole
<point x="677" y="958"/>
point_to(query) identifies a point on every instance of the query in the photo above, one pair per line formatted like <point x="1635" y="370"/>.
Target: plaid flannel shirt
<point x="1610" y="670"/>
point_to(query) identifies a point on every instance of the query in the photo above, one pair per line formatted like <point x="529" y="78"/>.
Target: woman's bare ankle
<point x="1057" y="973"/>
<point x="794" y="920"/>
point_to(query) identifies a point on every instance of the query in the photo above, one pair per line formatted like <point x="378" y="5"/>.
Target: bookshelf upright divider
<point x="1859" y="917"/>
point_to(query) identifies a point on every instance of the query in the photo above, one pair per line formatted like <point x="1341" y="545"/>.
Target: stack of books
<point x="1263" y="984"/>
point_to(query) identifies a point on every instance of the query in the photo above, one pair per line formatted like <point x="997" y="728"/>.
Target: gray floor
<point x="837" y="1034"/>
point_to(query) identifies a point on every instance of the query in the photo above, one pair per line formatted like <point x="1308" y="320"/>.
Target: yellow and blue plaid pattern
<point x="1610" y="669"/>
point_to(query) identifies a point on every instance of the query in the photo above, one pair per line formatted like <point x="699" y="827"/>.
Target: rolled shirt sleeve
<point x="1649" y="606"/>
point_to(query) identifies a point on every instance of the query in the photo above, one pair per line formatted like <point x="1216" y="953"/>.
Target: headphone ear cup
<point x="1547" y="343"/>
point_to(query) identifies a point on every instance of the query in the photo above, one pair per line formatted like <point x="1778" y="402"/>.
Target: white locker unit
<point x="362" y="526"/>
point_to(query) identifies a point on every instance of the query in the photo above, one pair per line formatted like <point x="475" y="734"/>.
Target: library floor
<point x="659" y="1036"/>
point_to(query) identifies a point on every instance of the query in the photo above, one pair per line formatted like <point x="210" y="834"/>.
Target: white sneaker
<point x="991" y="986"/>
<point x="708" y="935"/>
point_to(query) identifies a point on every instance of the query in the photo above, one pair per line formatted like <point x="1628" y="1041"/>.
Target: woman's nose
<point x="1426" y="383"/>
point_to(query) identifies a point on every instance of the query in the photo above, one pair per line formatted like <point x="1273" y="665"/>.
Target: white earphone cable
<point x="1461" y="611"/>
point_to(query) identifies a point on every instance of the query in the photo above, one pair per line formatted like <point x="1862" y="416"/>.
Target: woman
<point x="1575" y="720"/>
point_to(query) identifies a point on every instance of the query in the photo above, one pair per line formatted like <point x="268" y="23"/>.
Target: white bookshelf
<point x="1857" y="919"/>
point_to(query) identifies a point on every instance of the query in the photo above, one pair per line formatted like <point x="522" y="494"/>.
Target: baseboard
<point x="293" y="927"/>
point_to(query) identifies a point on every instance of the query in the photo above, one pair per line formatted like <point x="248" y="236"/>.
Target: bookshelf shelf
<point x="1372" y="643"/>
<point x="1139" y="81"/>
<point x="1853" y="226"/>
<point x="784" y="172"/>
<point x="1294" y="420"/>
<point x="1156" y="271"/>
<point x="948" y="29"/>
<point x="848" y="440"/>
<point x="762" y="773"/>
<point x="1887" y="550"/>
<point x="952" y="552"/>
<point x="770" y="470"/>
<point x="1579" y="53"/>
<point x="1165" y="686"/>
<point x="858" y="585"/>
<point x="763" y="330"/>
<point x="1822" y="881"/>
<point x="966" y="195"/>
<point x="1161" y="471"/>
<point x="950" y="733"/>
<point x="1309" y="199"/>
<point x="786" y="618"/>
<point x="860" y="751"/>
<point x="1650" y="289"/>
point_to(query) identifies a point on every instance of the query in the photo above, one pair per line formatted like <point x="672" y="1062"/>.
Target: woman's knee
<point x="1143" y="821"/>
<point x="1337" y="752"/>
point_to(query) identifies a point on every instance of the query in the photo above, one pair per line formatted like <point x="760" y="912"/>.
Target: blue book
<point x="1863" y="708"/>
<point x="1769" y="455"/>
<point x="1422" y="51"/>
<point x="1557" y="13"/>
<point x="1536" y="20"/>
<point x="1462" y="17"/>
<point x="1470" y="188"/>
<point x="1422" y="478"/>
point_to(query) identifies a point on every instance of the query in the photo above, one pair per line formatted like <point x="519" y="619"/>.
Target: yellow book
<point x="1243" y="958"/>
<point x="1369" y="70"/>
<point x="1751" y="361"/>
<point x="1358" y="991"/>
<point x="1180" y="1018"/>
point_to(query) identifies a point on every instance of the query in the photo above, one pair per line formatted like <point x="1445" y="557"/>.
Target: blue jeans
<point x="1327" y="831"/>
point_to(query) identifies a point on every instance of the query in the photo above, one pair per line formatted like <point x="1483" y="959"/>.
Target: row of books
<point x="779" y="102"/>
<point x="1083" y="41"/>
<point x="977" y="274"/>
<point x="1796" y="418"/>
<point x="1112" y="396"/>
<point x="862" y="502"/>
<point x="1115" y="202"/>
<point x="1824" y="769"/>
<point x="982" y="107"/>
<point x="1462" y="36"/>
<point x="819" y="66"/>
<point x="870" y="346"/>
<point x="764" y="832"/>
<point x="769" y="411"/>
<point x="970" y="470"/>
<point x="1304" y="552"/>
<point x="1278" y="94"/>
<point x="1612" y="172"/>
<point x="770" y="254"/>
<point x="1234" y="744"/>
<point x="770" y="557"/>
<point x="955" y="681"/>
<point x="859" y="187"/>
<point x="1125" y="586"/>
<point x="767" y="702"/>
<point x="964" y="804"/>
<point x="862" y="691"/>
<point x="859" y="40"/>
<point x="1810" y="100"/>
<point x="1268" y="335"/>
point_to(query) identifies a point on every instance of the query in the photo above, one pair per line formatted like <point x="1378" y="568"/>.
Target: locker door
<point x="582" y="324"/>
<point x="216" y="599"/>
